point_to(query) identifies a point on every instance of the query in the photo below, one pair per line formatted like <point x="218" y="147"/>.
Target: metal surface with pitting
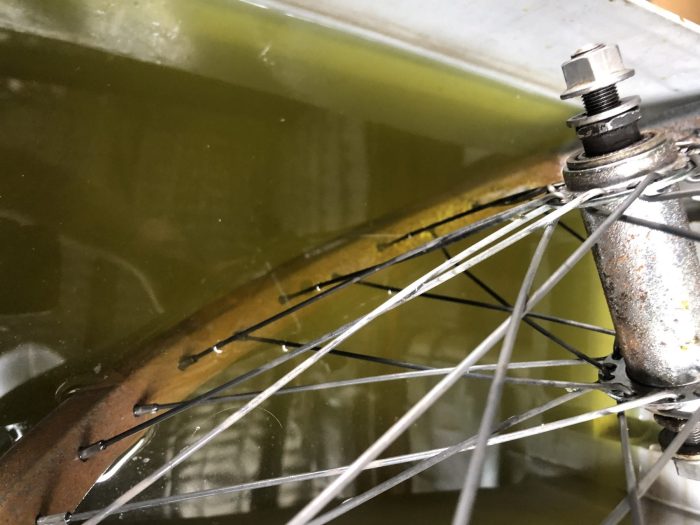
<point x="651" y="279"/>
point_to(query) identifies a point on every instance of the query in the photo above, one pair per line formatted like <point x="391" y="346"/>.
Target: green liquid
<point x="134" y="193"/>
<point x="154" y="190"/>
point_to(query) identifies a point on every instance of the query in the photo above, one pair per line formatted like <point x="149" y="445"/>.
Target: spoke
<point x="437" y="276"/>
<point x="674" y="195"/>
<point x="471" y="482"/>
<point x="653" y="473"/>
<point x="630" y="477"/>
<point x="151" y="408"/>
<point x="293" y="478"/>
<point x="498" y="307"/>
<point x="436" y="392"/>
<point x="504" y="201"/>
<point x="497" y="439"/>
<point x="428" y="247"/>
<point x="658" y="226"/>
<point x="396" y="460"/>
<point x="489" y="245"/>
<point x="408" y="364"/>
<point x="539" y="328"/>
<point x="571" y="231"/>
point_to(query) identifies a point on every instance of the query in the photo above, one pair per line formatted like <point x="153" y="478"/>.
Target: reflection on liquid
<point x="24" y="362"/>
<point x="134" y="194"/>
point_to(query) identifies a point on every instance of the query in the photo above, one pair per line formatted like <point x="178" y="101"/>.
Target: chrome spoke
<point x="422" y="405"/>
<point x="673" y="195"/>
<point x="345" y="281"/>
<point x="539" y="328"/>
<point x="630" y="477"/>
<point x="337" y="336"/>
<point x="653" y="473"/>
<point x="497" y="439"/>
<point x="307" y="476"/>
<point x="433" y="278"/>
<point x="498" y="307"/>
<point x="493" y="401"/>
<point x="151" y="408"/>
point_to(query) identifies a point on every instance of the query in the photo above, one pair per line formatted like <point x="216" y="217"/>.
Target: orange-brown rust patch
<point x="42" y="474"/>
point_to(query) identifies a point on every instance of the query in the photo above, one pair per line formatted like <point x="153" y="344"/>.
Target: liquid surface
<point x="134" y="193"/>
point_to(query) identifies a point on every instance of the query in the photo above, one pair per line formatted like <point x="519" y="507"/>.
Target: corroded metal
<point x="651" y="279"/>
<point x="42" y="474"/>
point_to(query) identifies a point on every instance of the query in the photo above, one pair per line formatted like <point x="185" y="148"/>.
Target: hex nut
<point x="608" y="125"/>
<point x="627" y="104"/>
<point x="595" y="68"/>
<point x="688" y="466"/>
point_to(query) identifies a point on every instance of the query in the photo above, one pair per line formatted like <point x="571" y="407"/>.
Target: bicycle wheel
<point x="102" y="424"/>
<point x="340" y="316"/>
<point x="156" y="376"/>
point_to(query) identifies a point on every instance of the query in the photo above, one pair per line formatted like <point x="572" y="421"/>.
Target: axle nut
<point x="593" y="67"/>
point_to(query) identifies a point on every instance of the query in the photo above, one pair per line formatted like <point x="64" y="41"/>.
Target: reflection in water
<point x="140" y="193"/>
<point x="24" y="362"/>
<point x="134" y="194"/>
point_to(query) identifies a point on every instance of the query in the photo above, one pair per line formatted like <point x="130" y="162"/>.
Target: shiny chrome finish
<point x="653" y="153"/>
<point x="54" y="519"/>
<point x="651" y="279"/>
<point x="593" y="67"/>
<point x="609" y="124"/>
<point x="609" y="120"/>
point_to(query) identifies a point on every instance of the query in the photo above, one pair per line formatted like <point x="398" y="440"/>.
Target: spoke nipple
<point x="144" y="410"/>
<point x="186" y="361"/>
<point x="85" y="453"/>
<point x="54" y="519"/>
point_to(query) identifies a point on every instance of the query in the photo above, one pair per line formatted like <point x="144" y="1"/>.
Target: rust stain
<point x="42" y="474"/>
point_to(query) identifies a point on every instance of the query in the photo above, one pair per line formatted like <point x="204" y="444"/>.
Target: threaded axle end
<point x="674" y="425"/>
<point x="601" y="100"/>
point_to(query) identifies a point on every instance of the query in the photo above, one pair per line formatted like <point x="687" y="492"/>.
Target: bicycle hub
<point x="651" y="279"/>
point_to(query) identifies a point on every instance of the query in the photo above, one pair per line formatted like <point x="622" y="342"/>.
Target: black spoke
<point x="428" y="247"/>
<point x="571" y="231"/>
<point x="504" y="201"/>
<point x="151" y="408"/>
<point x="658" y="226"/>
<point x="552" y="337"/>
<point x="342" y="353"/>
<point x="497" y="307"/>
